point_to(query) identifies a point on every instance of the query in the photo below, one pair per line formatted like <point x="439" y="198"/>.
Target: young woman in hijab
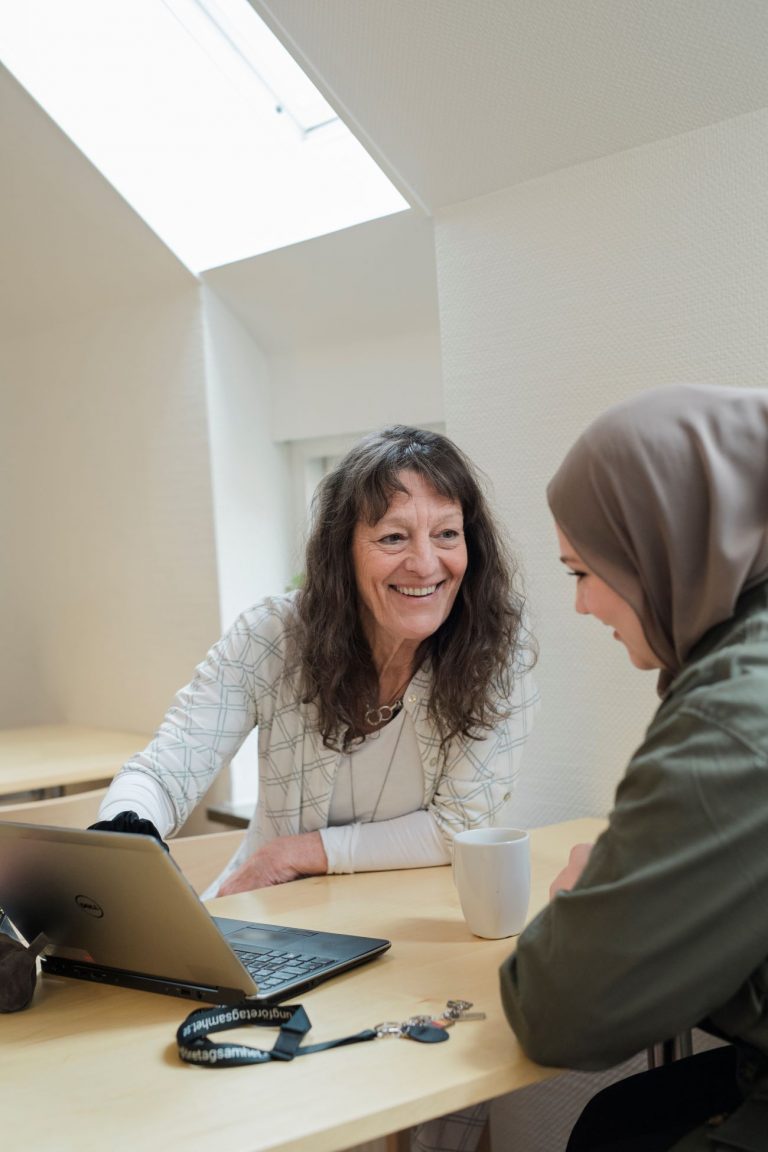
<point x="661" y="508"/>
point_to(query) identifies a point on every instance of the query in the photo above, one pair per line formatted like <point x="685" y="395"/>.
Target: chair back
<point x="201" y="858"/>
<point x="75" y="810"/>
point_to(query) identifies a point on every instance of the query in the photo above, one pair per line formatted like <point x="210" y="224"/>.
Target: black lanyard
<point x="196" y="1048"/>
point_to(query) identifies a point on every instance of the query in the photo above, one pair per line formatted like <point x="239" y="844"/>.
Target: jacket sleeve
<point x="211" y="716"/>
<point x="667" y="922"/>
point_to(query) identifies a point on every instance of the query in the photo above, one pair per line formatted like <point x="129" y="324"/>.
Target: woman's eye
<point x="391" y="538"/>
<point x="449" y="534"/>
<point x="576" y="573"/>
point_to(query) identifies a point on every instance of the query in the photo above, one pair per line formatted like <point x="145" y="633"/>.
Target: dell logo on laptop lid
<point x="87" y="904"/>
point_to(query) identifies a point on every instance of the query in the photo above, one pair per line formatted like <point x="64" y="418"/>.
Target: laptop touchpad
<point x="257" y="935"/>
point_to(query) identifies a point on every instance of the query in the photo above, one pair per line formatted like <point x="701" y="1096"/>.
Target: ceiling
<point x="458" y="98"/>
<point x="373" y="280"/>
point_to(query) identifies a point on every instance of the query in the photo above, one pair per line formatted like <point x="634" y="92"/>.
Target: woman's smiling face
<point x="409" y="565"/>
<point x="596" y="598"/>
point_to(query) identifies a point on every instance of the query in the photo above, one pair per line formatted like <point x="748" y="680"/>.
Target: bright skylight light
<point x="200" y="119"/>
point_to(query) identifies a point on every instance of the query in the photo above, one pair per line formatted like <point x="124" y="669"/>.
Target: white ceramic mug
<point x="492" y="874"/>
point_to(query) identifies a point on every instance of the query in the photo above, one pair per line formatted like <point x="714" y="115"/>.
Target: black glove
<point x="129" y="822"/>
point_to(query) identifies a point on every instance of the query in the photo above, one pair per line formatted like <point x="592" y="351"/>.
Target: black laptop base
<point x="75" y="970"/>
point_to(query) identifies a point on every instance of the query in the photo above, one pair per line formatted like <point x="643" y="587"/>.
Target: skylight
<point x="201" y="120"/>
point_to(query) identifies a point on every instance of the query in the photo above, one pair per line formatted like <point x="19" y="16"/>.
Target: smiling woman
<point x="407" y="573"/>
<point x="391" y="691"/>
<point x="596" y="598"/>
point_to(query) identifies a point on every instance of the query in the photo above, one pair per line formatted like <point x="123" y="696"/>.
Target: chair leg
<point x="401" y="1141"/>
<point x="669" y="1050"/>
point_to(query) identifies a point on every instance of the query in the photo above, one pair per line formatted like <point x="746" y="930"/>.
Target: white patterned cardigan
<point x="246" y="681"/>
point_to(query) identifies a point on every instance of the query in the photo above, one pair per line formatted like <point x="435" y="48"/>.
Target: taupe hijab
<point x="665" y="497"/>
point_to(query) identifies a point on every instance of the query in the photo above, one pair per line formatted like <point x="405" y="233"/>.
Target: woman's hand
<point x="566" y="879"/>
<point x="283" y="859"/>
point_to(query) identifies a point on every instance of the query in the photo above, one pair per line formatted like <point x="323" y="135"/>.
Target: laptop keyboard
<point x="273" y="968"/>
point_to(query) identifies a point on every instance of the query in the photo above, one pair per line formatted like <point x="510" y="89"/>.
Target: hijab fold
<point x="665" y="497"/>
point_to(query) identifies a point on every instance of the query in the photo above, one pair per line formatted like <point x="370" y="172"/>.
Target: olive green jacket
<point x="668" y="926"/>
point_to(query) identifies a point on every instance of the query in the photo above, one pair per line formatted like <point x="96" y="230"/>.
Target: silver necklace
<point x="383" y="783"/>
<point x="376" y="715"/>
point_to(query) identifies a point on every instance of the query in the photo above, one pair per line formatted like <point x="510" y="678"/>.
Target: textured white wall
<point x="111" y="598"/>
<point x="558" y="297"/>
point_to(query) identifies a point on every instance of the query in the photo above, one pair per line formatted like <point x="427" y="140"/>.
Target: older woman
<point x="390" y="692"/>
<point x="662" y="515"/>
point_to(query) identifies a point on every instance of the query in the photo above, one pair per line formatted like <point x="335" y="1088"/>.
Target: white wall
<point x="251" y="474"/>
<point x="558" y="297"/>
<point x="112" y="593"/>
<point x="108" y="587"/>
<point x="20" y="703"/>
<point x="351" y="387"/>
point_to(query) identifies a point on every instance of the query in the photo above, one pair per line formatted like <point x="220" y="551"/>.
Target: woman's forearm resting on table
<point x="282" y="859"/>
<point x="410" y="841"/>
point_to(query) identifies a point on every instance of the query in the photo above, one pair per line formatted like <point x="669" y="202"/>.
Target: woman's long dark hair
<point x="470" y="652"/>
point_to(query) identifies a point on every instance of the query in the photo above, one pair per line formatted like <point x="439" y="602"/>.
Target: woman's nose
<point x="421" y="556"/>
<point x="580" y="602"/>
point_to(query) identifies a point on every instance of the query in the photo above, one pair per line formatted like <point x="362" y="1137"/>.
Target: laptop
<point x="115" y="909"/>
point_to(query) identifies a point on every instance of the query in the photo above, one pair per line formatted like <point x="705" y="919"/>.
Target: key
<point x="458" y="1005"/>
<point x="388" y="1028"/>
<point x="431" y="1032"/>
<point x="459" y="1010"/>
<point x="454" y="1013"/>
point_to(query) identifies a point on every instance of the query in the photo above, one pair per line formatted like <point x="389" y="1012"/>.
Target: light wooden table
<point x="89" y="1067"/>
<point x="57" y="756"/>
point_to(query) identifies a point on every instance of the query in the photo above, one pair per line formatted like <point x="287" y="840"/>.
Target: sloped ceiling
<point x="363" y="283"/>
<point x="69" y="244"/>
<point x="458" y="98"/>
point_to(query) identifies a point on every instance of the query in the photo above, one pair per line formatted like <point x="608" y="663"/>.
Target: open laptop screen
<point x="116" y="909"/>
